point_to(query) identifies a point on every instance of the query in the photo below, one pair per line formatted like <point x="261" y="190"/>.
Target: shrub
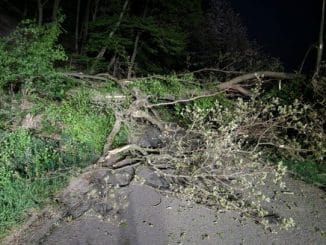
<point x="27" y="167"/>
<point x="27" y="58"/>
<point x="26" y="156"/>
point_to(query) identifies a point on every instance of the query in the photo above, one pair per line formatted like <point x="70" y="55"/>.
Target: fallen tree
<point x="232" y="85"/>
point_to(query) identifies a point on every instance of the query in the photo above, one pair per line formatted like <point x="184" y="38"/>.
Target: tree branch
<point x="183" y="100"/>
<point x="233" y="83"/>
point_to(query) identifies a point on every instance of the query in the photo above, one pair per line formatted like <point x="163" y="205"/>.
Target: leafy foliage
<point x="26" y="164"/>
<point x="33" y="168"/>
<point x="309" y="170"/>
<point x="27" y="58"/>
<point x="81" y="123"/>
<point x="162" y="33"/>
<point x="172" y="85"/>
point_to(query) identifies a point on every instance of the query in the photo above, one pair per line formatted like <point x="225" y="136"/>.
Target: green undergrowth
<point x="308" y="170"/>
<point x="28" y="175"/>
<point x="36" y="163"/>
<point x="79" y="121"/>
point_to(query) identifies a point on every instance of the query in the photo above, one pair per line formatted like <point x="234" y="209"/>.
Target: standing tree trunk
<point x="40" y="7"/>
<point x="95" y="10"/>
<point x="103" y="50"/>
<point x="115" y="28"/>
<point x="77" y="28"/>
<point x="133" y="56"/>
<point x="85" y="26"/>
<point x="135" y="50"/>
<point x="40" y="12"/>
<point x="321" y="40"/>
<point x="55" y="9"/>
<point x="112" y="62"/>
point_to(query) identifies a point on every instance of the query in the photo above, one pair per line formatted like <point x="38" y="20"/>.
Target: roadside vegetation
<point x="55" y="120"/>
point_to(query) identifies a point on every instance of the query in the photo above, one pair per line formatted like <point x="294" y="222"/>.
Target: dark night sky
<point x="284" y="28"/>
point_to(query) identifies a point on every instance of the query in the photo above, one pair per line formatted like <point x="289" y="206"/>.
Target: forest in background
<point x="67" y="64"/>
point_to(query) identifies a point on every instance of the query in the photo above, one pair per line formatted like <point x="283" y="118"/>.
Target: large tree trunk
<point x="55" y="9"/>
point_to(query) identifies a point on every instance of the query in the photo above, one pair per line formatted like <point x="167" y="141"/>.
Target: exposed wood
<point x="125" y="148"/>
